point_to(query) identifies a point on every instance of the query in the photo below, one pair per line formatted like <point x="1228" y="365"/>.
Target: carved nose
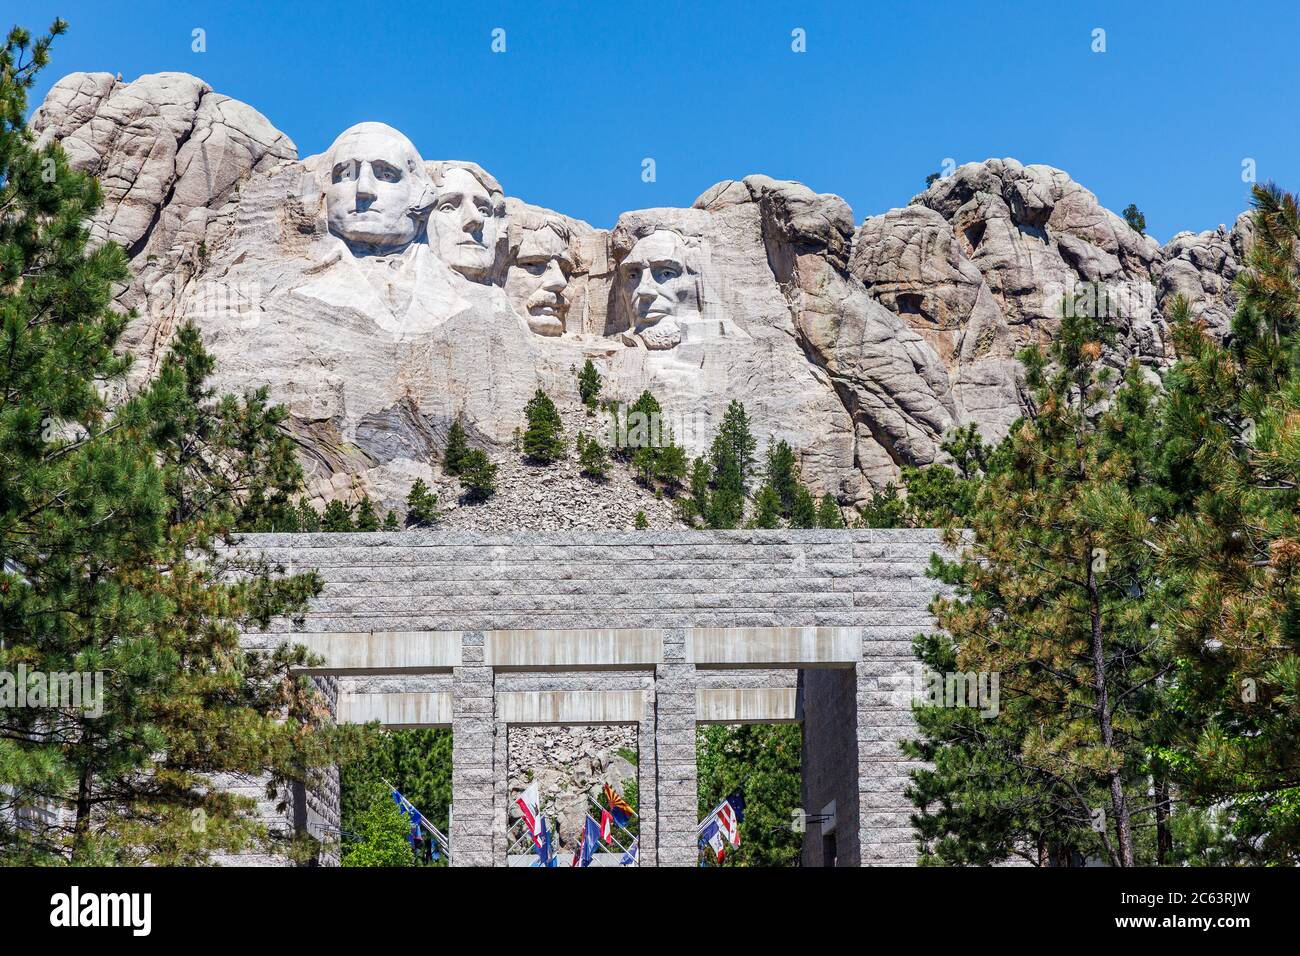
<point x="366" y="187"/>
<point x="473" y="219"/>
<point x="553" y="280"/>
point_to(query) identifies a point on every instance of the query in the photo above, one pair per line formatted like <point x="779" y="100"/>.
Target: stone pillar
<point x="500" y="793"/>
<point x="676" y="801"/>
<point x="473" y="754"/>
<point x="886" y="837"/>
<point x="647" y="784"/>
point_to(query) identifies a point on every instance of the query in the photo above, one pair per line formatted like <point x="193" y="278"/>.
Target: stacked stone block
<point x="671" y="582"/>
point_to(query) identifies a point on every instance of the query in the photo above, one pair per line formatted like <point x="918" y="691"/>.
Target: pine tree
<point x="366" y="519"/>
<point x="939" y="496"/>
<point x="589" y="384"/>
<point x="421" y="506"/>
<point x="337" y="517"/>
<point x="1136" y="221"/>
<point x="110" y="557"/>
<point x="767" y="508"/>
<point x="701" y="476"/>
<point x="736" y="443"/>
<point x="390" y="521"/>
<point x="886" y="509"/>
<point x="382" y="834"/>
<point x="732" y="459"/>
<point x="803" y="513"/>
<point x="1057" y="595"/>
<point x="1230" y="452"/>
<point x="478" y="475"/>
<point x="592" y="460"/>
<point x="828" y="513"/>
<point x="641" y="522"/>
<point x="543" y="438"/>
<point x="224" y="457"/>
<point x="670" y="469"/>
<point x="308" y="517"/>
<point x="726" y="501"/>
<point x="453" y="455"/>
<point x="782" y="475"/>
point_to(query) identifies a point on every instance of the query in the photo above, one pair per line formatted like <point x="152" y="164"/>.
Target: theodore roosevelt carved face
<point x="376" y="190"/>
<point x="660" y="289"/>
<point x="538" y="277"/>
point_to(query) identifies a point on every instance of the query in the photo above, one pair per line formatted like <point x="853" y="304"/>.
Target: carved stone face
<point x="463" y="226"/>
<point x="374" y="178"/>
<point x="537" y="279"/>
<point x="656" y="282"/>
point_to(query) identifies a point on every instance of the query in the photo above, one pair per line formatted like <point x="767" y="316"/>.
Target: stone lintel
<point x="774" y="646"/>
<point x="748" y="705"/>
<point x="578" y="649"/>
<point x="397" y="710"/>
<point x="571" y="707"/>
<point x="382" y="652"/>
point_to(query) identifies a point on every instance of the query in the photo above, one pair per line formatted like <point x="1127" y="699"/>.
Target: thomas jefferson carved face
<point x="538" y="277"/>
<point x="661" y="291"/>
<point x="375" y="188"/>
<point x="464" y="223"/>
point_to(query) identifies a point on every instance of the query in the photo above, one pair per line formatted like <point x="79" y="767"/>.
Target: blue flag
<point x="590" y="840"/>
<point x="411" y="814"/>
<point x="543" y="846"/>
<point x="737" y="801"/>
<point x="629" y="858"/>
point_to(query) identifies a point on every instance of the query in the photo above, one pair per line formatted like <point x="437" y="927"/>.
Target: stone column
<point x="676" y="801"/>
<point x="500" y="793"/>
<point x="647" y="786"/>
<point x="473" y="755"/>
<point x="886" y="837"/>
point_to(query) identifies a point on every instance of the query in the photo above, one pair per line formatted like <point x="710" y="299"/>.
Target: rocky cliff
<point x="380" y="295"/>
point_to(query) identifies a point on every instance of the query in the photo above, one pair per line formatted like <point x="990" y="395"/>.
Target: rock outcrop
<point x="381" y="295"/>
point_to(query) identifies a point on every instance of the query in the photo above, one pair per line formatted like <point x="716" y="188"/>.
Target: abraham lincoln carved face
<point x="659" y="288"/>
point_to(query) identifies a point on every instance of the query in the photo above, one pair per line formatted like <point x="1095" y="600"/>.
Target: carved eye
<point x="535" y="268"/>
<point x="664" y="274"/>
<point x="633" y="275"/>
<point x="388" y="174"/>
<point x="446" y="206"/>
<point x="343" y="172"/>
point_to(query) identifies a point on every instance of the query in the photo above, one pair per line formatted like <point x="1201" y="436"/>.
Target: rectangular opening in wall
<point x="756" y="770"/>
<point x="378" y="829"/>
<point x="580" y="785"/>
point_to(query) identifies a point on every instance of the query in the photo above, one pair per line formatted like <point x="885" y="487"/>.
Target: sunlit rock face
<point x="380" y="294"/>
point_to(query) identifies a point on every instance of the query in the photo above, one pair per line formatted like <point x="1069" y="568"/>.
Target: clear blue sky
<point x="885" y="92"/>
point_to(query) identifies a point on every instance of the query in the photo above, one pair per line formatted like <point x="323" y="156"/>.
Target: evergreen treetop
<point x="543" y="438"/>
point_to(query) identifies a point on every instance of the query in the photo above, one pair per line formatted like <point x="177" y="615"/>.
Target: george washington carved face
<point x="376" y="190"/>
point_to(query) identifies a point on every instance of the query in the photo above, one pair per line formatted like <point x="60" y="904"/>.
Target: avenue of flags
<point x="720" y="830"/>
<point x="593" y="833"/>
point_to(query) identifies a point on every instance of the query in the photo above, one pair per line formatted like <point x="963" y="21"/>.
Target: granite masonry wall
<point x="654" y="628"/>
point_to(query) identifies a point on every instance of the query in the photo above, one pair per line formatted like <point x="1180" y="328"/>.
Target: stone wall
<point x="632" y="628"/>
